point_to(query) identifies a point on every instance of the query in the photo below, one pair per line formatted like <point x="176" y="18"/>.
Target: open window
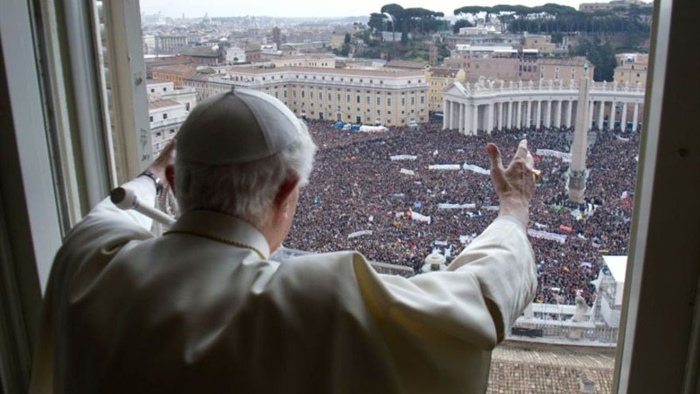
<point x="73" y="119"/>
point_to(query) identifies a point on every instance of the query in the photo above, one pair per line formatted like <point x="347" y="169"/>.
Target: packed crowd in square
<point x="356" y="187"/>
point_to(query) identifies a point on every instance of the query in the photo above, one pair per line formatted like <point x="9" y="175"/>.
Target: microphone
<point x="126" y="199"/>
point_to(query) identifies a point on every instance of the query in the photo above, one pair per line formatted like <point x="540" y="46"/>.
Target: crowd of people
<point x="360" y="199"/>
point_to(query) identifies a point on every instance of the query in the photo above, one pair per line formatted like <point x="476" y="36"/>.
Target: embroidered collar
<point x="222" y="228"/>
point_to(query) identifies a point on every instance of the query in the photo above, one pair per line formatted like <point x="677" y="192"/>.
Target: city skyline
<point x="313" y="8"/>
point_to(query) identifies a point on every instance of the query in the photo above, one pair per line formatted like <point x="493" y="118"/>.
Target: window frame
<point x="655" y="324"/>
<point x="661" y="315"/>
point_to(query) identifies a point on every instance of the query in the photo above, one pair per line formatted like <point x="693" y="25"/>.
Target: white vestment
<point x="188" y="312"/>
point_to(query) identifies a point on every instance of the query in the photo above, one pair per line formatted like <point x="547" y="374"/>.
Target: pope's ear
<point x="285" y="190"/>
<point x="170" y="177"/>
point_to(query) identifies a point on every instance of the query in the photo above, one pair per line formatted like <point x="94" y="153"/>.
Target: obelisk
<point x="577" y="170"/>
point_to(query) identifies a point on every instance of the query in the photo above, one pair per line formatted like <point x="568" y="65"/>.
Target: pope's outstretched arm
<point x="489" y="284"/>
<point x="87" y="250"/>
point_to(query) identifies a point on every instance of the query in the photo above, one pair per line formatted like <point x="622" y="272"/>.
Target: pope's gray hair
<point x="245" y="190"/>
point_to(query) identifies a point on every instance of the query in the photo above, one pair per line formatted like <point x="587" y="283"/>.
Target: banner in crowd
<point x="372" y="129"/>
<point x="554" y="153"/>
<point x="359" y="233"/>
<point x="561" y="238"/>
<point x="407" y="172"/>
<point x="456" y="206"/>
<point x="623" y="139"/>
<point x="491" y="207"/>
<point x="420" y="218"/>
<point x="473" y="215"/>
<point x="409" y="214"/>
<point x="402" y="157"/>
<point x="477" y="169"/>
<point x="466" y="239"/>
<point x="445" y="167"/>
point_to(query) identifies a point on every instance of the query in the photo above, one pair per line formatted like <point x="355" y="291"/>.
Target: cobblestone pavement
<point x="538" y="368"/>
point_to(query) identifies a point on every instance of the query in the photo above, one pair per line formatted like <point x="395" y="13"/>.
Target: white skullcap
<point x="237" y="127"/>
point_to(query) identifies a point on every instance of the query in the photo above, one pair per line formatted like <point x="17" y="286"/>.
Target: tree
<point x="601" y="54"/>
<point x="554" y="18"/>
<point x="376" y="22"/>
<point x="421" y="20"/>
<point x="345" y="50"/>
<point x="469" y="11"/>
<point x="397" y="12"/>
<point x="443" y="51"/>
<point x="460" y="24"/>
<point x="557" y="38"/>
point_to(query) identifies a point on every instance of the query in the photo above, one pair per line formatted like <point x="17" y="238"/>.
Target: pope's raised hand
<point x="165" y="159"/>
<point x="514" y="185"/>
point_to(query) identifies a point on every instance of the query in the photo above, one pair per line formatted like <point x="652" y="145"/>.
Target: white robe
<point x="127" y="312"/>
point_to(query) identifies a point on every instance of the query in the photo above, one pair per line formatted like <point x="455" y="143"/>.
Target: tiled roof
<point x="539" y="368"/>
<point x="174" y="69"/>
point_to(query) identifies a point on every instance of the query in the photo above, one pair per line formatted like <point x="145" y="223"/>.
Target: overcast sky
<point x="317" y="8"/>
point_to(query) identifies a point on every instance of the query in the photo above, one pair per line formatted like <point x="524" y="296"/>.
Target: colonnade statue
<point x="581" y="310"/>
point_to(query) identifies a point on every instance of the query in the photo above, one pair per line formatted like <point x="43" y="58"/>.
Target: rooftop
<point x="540" y="368"/>
<point x="174" y="69"/>
<point x="633" y="58"/>
<point x="162" y="103"/>
<point x="153" y="81"/>
<point x="444" y="72"/>
<point x="201" y="51"/>
<point x="485" y="48"/>
<point x="329" y="71"/>
<point x="408" y="64"/>
<point x="569" y="61"/>
<point x="306" y="56"/>
<point x="198" y="76"/>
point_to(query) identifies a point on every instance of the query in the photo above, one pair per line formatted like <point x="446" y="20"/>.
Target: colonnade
<point x="508" y="114"/>
<point x="488" y="108"/>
